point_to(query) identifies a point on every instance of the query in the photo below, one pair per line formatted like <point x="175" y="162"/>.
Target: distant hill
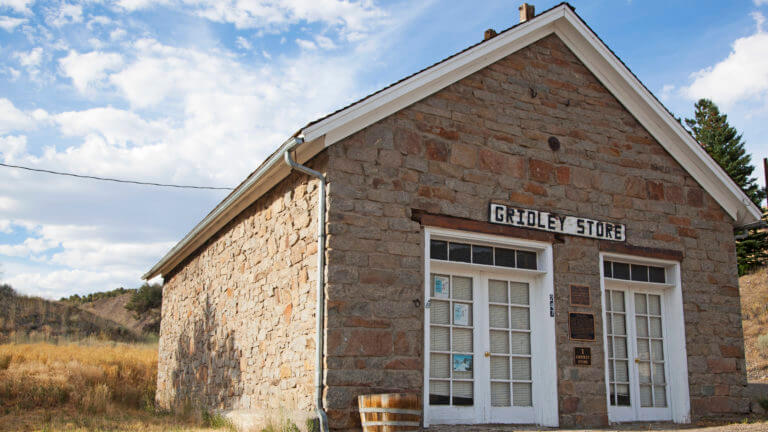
<point x="34" y="318"/>
<point x="114" y="308"/>
<point x="754" y="310"/>
<point x="121" y="314"/>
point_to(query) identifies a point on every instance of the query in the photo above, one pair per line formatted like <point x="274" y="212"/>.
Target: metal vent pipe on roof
<point x="320" y="308"/>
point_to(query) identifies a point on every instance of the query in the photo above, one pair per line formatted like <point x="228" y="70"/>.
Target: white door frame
<point x="676" y="358"/>
<point x="543" y="370"/>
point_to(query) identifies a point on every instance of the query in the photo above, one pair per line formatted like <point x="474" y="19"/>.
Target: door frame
<point x="673" y="321"/>
<point x="545" y="398"/>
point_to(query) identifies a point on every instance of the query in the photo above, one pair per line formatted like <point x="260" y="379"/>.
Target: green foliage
<point x="145" y="298"/>
<point x="723" y="142"/>
<point x="7" y="291"/>
<point x="284" y="426"/>
<point x="78" y="299"/>
<point x="217" y="421"/>
<point x="752" y="250"/>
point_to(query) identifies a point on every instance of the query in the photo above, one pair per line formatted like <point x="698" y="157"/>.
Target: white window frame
<point x="544" y="370"/>
<point x="676" y="357"/>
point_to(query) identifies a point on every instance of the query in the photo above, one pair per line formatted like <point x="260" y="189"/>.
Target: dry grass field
<point x="90" y="385"/>
<point x="754" y="307"/>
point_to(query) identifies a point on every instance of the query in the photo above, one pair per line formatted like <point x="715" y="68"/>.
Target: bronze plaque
<point x="581" y="326"/>
<point x="582" y="356"/>
<point x="580" y="295"/>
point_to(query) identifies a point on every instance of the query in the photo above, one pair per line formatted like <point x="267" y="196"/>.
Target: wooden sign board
<point x="582" y="356"/>
<point x="557" y="223"/>
<point x="581" y="326"/>
<point x="580" y="295"/>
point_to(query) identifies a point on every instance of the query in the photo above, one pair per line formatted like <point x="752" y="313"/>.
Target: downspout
<point x="320" y="308"/>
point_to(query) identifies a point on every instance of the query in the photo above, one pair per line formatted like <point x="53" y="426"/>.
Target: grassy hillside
<point x="25" y="318"/>
<point x="114" y="308"/>
<point x="754" y="307"/>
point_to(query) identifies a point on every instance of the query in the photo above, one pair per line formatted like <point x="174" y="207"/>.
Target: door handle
<point x="487" y="354"/>
<point x="637" y="360"/>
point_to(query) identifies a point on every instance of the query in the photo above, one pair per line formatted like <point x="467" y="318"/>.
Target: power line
<point x="111" y="179"/>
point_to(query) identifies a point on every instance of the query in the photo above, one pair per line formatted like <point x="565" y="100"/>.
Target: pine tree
<point x="725" y="145"/>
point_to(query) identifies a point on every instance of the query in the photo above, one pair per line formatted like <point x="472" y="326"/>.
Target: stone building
<point x="520" y="233"/>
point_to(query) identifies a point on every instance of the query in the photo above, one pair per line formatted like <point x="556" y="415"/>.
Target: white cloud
<point x="133" y="5"/>
<point x="325" y="42"/>
<point x="30" y="60"/>
<point x="666" y="92"/>
<point x="9" y="23"/>
<point x="760" y="2"/>
<point x="99" y="20"/>
<point x="7" y="204"/>
<point x="306" y="45"/>
<point x="243" y="43"/>
<point x="116" y="126"/>
<point x="66" y="14"/>
<point x="12" y="146"/>
<point x="117" y="34"/>
<point x="21" y="6"/>
<point x="63" y="283"/>
<point x="30" y="246"/>
<point x="13" y="119"/>
<point x="348" y="17"/>
<point x="742" y="76"/>
<point x="89" y="69"/>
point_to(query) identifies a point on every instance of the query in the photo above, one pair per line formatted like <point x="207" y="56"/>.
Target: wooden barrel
<point x="390" y="412"/>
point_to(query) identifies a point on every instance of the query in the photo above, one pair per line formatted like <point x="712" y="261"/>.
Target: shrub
<point x="217" y="421"/>
<point x="762" y="343"/>
<point x="5" y="361"/>
<point x="145" y="298"/>
<point x="7" y="291"/>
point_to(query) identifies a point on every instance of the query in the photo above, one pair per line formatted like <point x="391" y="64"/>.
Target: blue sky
<point x="199" y="92"/>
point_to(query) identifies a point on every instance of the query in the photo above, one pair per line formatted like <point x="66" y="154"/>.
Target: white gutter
<point x="320" y="307"/>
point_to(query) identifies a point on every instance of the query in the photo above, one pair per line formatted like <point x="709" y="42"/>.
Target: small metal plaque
<point x="580" y="295"/>
<point x="581" y="326"/>
<point x="582" y="356"/>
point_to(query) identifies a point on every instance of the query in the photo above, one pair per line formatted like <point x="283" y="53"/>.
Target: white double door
<point x="638" y="369"/>
<point x="481" y="334"/>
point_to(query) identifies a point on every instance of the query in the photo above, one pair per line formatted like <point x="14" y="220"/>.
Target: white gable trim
<point x="655" y="118"/>
<point x="611" y="72"/>
<point x="560" y="20"/>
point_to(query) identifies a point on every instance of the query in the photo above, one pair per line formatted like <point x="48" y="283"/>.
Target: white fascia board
<point x="419" y="86"/>
<point x="615" y="76"/>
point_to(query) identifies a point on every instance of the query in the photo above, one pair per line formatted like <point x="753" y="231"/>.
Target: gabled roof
<point x="560" y="20"/>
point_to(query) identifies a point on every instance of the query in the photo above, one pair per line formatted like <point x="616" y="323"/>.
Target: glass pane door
<point x="509" y="353"/>
<point x="650" y="351"/>
<point x="618" y="355"/>
<point x="451" y="341"/>
<point x="510" y="343"/>
<point x="637" y="377"/>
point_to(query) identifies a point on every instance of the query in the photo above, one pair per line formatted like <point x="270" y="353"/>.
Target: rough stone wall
<point x="238" y="317"/>
<point x="485" y="138"/>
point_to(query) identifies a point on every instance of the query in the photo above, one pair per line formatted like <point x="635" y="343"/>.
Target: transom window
<point x="482" y="254"/>
<point x="634" y="272"/>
